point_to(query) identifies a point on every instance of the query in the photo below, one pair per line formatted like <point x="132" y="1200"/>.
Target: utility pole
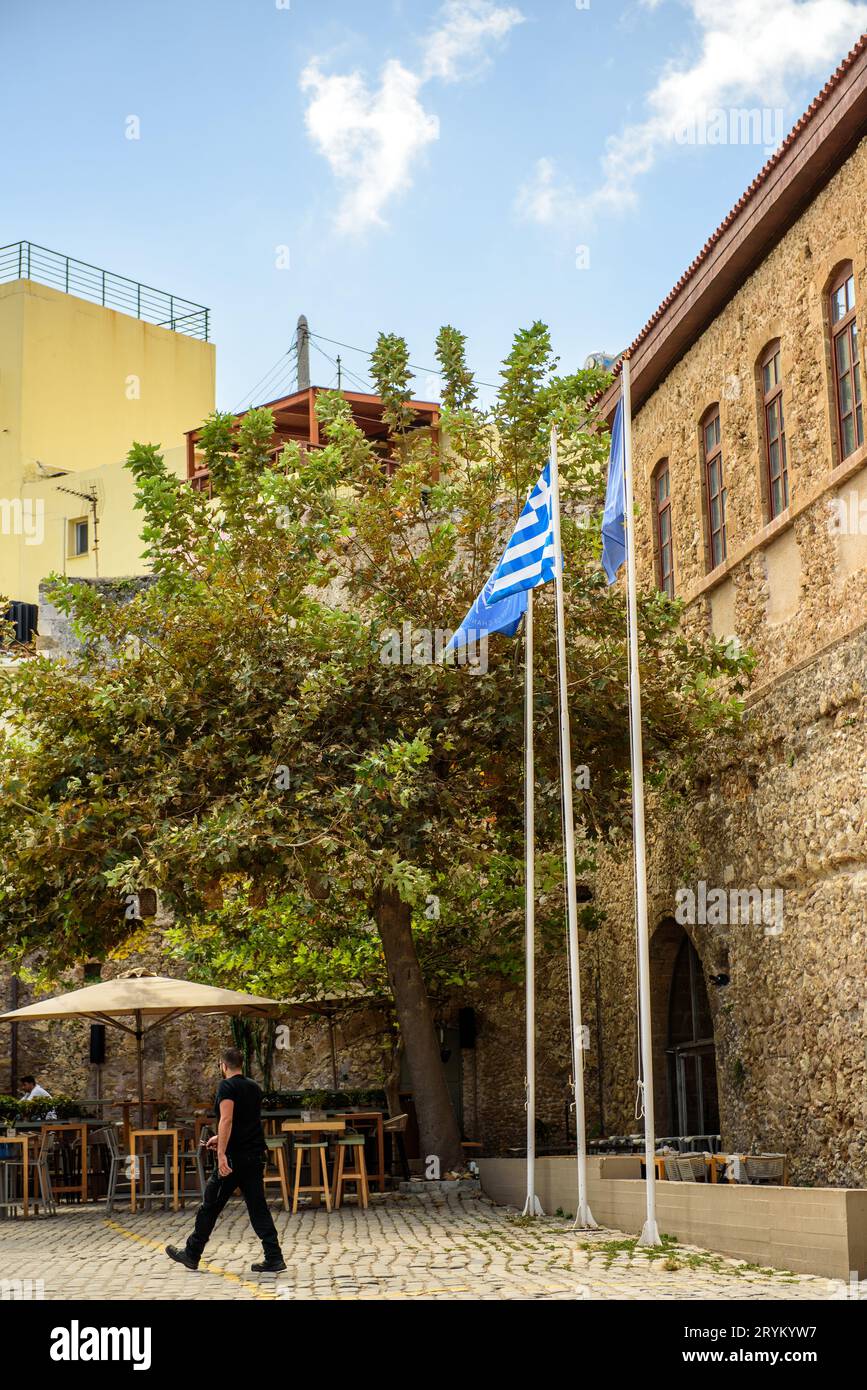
<point x="339" y="374"/>
<point x="302" y="353"/>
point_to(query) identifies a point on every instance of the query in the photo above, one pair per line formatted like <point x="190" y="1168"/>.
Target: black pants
<point x="246" y="1174"/>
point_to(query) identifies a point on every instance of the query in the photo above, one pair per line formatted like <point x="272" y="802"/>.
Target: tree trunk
<point x="438" y="1127"/>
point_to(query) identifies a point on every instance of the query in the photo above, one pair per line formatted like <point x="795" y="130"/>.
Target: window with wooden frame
<point x="664" y="540"/>
<point x="776" y="460"/>
<point x="846" y="362"/>
<point x="715" y="491"/>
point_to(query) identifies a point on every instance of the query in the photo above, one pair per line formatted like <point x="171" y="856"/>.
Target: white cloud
<point x="370" y="139"/>
<point x="373" y="138"/>
<point x="458" y="47"/>
<point x="751" y="51"/>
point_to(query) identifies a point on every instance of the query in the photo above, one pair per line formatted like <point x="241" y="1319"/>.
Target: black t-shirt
<point x="247" y="1138"/>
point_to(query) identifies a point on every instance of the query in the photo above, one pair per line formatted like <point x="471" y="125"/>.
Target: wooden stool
<point x="316" y="1148"/>
<point x="277" y="1154"/>
<point x="356" y="1174"/>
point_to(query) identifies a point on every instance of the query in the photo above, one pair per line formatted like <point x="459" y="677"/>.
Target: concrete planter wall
<point x="809" y="1230"/>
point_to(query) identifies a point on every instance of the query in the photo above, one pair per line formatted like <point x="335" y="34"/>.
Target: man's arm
<point x="224" y="1129"/>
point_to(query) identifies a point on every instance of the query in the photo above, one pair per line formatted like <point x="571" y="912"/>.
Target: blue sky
<point x="478" y="162"/>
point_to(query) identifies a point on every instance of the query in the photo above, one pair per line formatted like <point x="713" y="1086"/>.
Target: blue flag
<point x="485" y="617"/>
<point x="613" y="518"/>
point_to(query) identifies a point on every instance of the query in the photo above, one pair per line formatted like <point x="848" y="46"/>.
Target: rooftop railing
<point x="24" y="260"/>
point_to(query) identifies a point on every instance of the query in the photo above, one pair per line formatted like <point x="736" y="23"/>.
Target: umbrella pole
<point x="139" y="1044"/>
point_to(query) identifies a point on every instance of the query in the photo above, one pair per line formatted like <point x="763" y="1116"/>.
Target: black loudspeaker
<point x="97" y="1043"/>
<point x="467" y="1028"/>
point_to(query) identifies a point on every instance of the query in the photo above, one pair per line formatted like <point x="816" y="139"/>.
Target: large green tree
<point x="238" y="736"/>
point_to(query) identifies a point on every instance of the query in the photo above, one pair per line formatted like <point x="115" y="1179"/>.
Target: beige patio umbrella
<point x="141" y="995"/>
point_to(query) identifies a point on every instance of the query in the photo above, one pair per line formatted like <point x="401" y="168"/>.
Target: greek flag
<point x="485" y="617"/>
<point x="528" y="559"/>
<point x="614" y="516"/>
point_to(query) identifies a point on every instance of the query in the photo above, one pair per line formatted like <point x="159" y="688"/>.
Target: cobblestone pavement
<point x="402" y="1247"/>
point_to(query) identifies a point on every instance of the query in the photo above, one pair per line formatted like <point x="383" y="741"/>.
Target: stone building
<point x="751" y="483"/>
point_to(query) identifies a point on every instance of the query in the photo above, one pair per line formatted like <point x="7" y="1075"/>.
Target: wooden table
<point x="174" y="1135"/>
<point x="314" y="1128"/>
<point x="72" y="1127"/>
<point x="24" y="1141"/>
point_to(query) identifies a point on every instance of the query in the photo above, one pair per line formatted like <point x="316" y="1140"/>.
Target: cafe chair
<point x="691" y="1167"/>
<point x="40" y="1175"/>
<point x="119" y="1173"/>
<point x="190" y="1159"/>
<point x="765" y="1168"/>
<point x="352" y="1144"/>
<point x="395" y="1127"/>
<point x="280" y="1178"/>
<point x="315" y="1151"/>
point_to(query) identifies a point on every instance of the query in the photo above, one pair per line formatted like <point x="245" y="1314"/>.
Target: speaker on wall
<point x="467" y="1028"/>
<point x="97" y="1043"/>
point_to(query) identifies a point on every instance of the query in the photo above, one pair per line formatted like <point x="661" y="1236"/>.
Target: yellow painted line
<point x="255" y="1289"/>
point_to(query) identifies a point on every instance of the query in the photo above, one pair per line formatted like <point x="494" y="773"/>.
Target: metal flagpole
<point x="532" y="1206"/>
<point x="650" y="1230"/>
<point x="583" y="1216"/>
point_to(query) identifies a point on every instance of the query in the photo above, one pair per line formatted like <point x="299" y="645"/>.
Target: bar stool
<point x="316" y="1149"/>
<point x="277" y="1155"/>
<point x="357" y="1174"/>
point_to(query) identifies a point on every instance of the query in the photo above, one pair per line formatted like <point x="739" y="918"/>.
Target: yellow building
<point x="89" y="363"/>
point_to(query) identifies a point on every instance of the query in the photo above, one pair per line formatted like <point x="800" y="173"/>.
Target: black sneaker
<point x="269" y="1266"/>
<point x="182" y="1258"/>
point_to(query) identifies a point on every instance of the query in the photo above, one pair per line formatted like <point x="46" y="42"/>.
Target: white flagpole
<point x="650" y="1230"/>
<point x="583" y="1216"/>
<point x="532" y="1206"/>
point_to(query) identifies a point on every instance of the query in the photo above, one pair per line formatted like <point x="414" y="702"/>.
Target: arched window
<point x="846" y="362"/>
<point x="776" y="460"/>
<point x="715" y="491"/>
<point x="662" y="514"/>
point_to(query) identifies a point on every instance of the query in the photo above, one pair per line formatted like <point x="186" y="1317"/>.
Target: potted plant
<point x="313" y="1105"/>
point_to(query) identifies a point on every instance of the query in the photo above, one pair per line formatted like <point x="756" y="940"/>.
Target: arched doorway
<point x="686" y="1096"/>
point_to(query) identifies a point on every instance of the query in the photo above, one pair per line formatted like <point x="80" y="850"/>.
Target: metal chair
<point x="39" y="1178"/>
<point x="764" y="1168"/>
<point x="691" y="1167"/>
<point x="119" y="1163"/>
<point x="191" y="1158"/>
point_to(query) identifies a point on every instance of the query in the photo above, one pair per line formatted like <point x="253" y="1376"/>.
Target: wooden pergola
<point x="295" y="421"/>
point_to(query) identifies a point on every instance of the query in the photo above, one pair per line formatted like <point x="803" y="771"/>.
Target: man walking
<point x="241" y="1153"/>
